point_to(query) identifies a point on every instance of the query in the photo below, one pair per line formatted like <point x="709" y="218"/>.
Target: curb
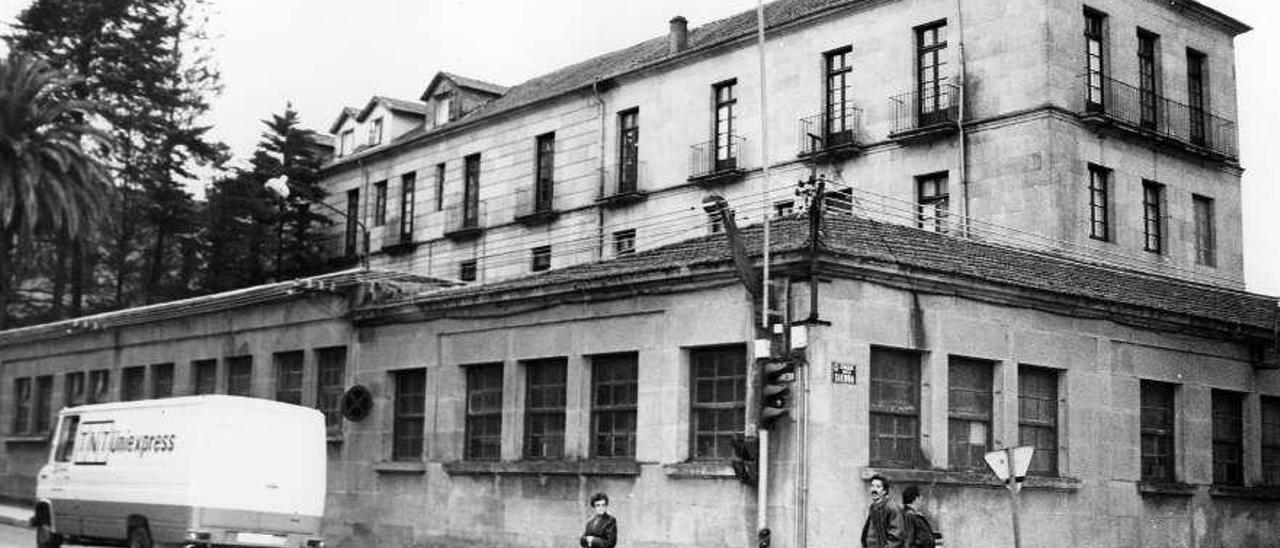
<point x="14" y="522"/>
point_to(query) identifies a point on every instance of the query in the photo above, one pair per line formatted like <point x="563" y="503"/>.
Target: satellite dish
<point x="356" y="403"/>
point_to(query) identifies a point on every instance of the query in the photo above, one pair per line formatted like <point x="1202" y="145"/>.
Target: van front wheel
<point x="45" y="537"/>
<point x="140" y="537"/>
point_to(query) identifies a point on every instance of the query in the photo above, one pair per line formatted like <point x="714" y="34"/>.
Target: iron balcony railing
<point x="624" y="180"/>
<point x="925" y="107"/>
<point x="1146" y="111"/>
<point x="464" y="217"/>
<point x="534" y="201"/>
<point x="836" y="128"/>
<point x="716" y="157"/>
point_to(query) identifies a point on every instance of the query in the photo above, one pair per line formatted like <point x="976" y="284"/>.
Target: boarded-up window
<point x="410" y="409"/>
<point x="289" y="377"/>
<point x="613" y="405"/>
<point x="969" y="413"/>
<point x="484" y="412"/>
<point x="895" y="408"/>
<point x="1228" y="438"/>
<point x="544" y="403"/>
<point x="719" y="384"/>
<point x="1038" y="417"/>
<point x="1157" y="425"/>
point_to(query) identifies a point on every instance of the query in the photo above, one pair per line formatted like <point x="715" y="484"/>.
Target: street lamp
<point x="281" y="187"/>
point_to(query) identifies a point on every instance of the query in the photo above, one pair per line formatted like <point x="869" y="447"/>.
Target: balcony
<point x="623" y="185"/>
<point x="1114" y="105"/>
<point x="831" y="136"/>
<point x="535" y="206"/>
<point x="925" y="114"/>
<point x="717" y="162"/>
<point x="464" y="221"/>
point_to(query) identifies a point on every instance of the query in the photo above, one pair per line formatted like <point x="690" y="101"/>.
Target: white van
<point x="190" y="471"/>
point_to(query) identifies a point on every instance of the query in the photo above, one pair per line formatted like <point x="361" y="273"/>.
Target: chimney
<point x="678" y="40"/>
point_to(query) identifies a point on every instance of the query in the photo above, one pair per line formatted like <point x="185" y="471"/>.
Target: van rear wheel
<point x="140" y="537"/>
<point x="46" y="538"/>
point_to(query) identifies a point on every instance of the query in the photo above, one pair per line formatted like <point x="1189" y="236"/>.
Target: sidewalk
<point x="11" y="514"/>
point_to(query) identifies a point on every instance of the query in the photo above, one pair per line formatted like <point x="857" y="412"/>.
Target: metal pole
<point x="762" y="487"/>
<point x="1014" y="498"/>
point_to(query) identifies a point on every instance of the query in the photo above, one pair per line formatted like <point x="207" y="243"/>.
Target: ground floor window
<point x="613" y="405"/>
<point x="484" y="412"/>
<point x="895" y="408"/>
<point x="719" y="384"/>
<point x="1038" y="417"/>
<point x="410" y="411"/>
<point x="544" y="409"/>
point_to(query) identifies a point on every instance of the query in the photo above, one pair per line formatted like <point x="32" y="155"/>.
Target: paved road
<point x="17" y="537"/>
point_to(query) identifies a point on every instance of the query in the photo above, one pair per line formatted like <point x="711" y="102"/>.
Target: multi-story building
<point x="1031" y="237"/>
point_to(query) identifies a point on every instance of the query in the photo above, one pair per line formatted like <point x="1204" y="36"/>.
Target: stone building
<point x="1031" y="237"/>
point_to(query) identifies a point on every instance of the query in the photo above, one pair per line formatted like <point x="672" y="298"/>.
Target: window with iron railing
<point x="836" y="123"/>
<point x="1196" y="100"/>
<point x="628" y="150"/>
<point x="133" y="383"/>
<point x="1157" y="419"/>
<point x="1148" y="79"/>
<point x="331" y="369"/>
<point x="1095" y="56"/>
<point x="931" y="79"/>
<point x="289" y="376"/>
<point x="726" y="99"/>
<point x="240" y="376"/>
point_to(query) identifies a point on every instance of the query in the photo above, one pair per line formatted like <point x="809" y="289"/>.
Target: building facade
<point x="1029" y="235"/>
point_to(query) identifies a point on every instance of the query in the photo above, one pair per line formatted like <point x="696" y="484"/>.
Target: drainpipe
<point x="964" y="143"/>
<point x="595" y="90"/>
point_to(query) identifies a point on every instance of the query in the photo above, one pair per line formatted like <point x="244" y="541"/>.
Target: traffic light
<point x="745" y="465"/>
<point x="763" y="540"/>
<point x="777" y="374"/>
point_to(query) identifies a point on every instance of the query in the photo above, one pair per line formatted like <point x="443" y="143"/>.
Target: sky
<point x="322" y="55"/>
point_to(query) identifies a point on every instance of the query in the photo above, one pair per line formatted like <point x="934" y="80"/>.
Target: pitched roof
<point x="462" y="82"/>
<point x="347" y="112"/>
<point x="866" y="241"/>
<point x="396" y="105"/>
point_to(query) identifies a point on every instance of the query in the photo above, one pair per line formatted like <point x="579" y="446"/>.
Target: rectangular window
<point x="613" y="405"/>
<point x="726" y="99"/>
<point x="331" y="365"/>
<point x="931" y="63"/>
<point x="1206" y="244"/>
<point x="545" y="171"/>
<point x="784" y="208"/>
<point x="837" y="114"/>
<point x="133" y="383"/>
<point x="624" y="242"/>
<point x="407" y="183"/>
<point x="541" y="258"/>
<point x="204" y="377"/>
<point x="440" y="186"/>
<point x="467" y="271"/>
<point x="99" y="386"/>
<point x="544" y="403"/>
<point x="968" y="413"/>
<point x="21" y="406"/>
<point x="628" y="150"/>
<point x="1099" y="203"/>
<point x="1228" y="438"/>
<point x="289" y="376"/>
<point x="443" y="108"/>
<point x="379" y="203"/>
<point x="345" y="145"/>
<point x="353" y="213"/>
<point x="44" y="404"/>
<point x="162" y="380"/>
<point x="240" y="376"/>
<point x="1156" y="418"/>
<point x="1270" y="440"/>
<point x="484" y="412"/>
<point x="895" y="408"/>
<point x="719" y="384"/>
<point x="1095" y="55"/>
<point x="1148" y="79"/>
<point x="410" y="411"/>
<point x="1152" y="216"/>
<point x="375" y="132"/>
<point x="934" y="202"/>
<point x="1038" y="417"/>
<point x="1196" y="100"/>
<point x="471" y="192"/>
<point x="73" y="389"/>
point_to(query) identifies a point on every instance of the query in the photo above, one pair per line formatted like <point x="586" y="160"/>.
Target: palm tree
<point x="49" y="182"/>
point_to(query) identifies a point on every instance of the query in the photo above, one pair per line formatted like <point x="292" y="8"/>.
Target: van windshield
<point x="67" y="438"/>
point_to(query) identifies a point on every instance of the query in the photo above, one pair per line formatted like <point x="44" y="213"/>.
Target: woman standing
<point x="602" y="528"/>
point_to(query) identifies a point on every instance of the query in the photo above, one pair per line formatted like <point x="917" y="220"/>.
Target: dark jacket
<point x="883" y="528"/>
<point x="605" y="530"/>
<point x="916" y="531"/>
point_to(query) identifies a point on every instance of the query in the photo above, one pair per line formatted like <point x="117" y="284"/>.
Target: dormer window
<point x="443" y="108"/>
<point x="375" y="132"/>
<point x="346" y="142"/>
